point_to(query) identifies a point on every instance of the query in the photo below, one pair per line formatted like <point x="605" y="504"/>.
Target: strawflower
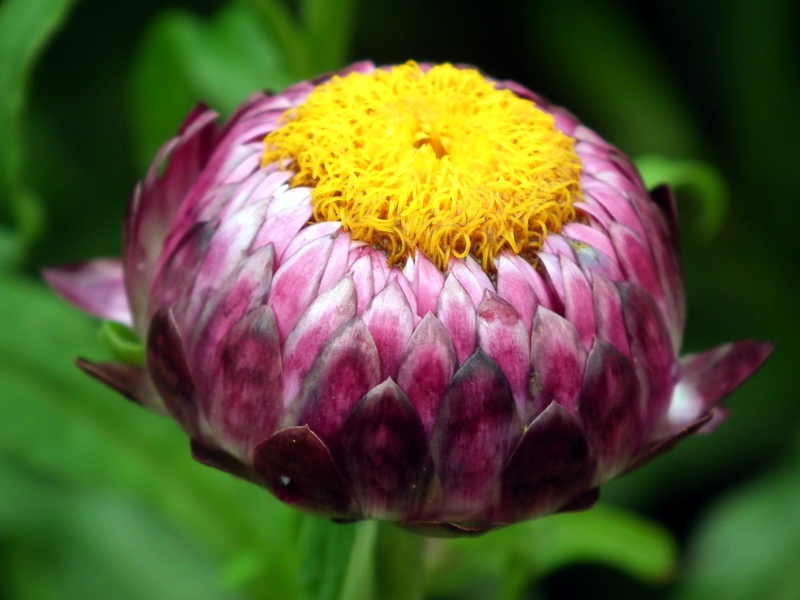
<point x="413" y="294"/>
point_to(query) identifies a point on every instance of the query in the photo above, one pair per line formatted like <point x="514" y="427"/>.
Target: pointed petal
<point x="472" y="285"/>
<point x="97" y="287"/>
<point x="578" y="304"/>
<point x="308" y="234"/>
<point x="157" y="200"/>
<point x="385" y="455"/>
<point x="661" y="445"/>
<point x="345" y="371"/>
<point x="245" y="288"/>
<point x="651" y="351"/>
<point x="166" y="361"/>
<point x="457" y="313"/>
<point x="337" y="262"/>
<point x="609" y="409"/>
<point x="558" y="359"/>
<point x="391" y="323"/>
<point x="668" y="269"/>
<point x="122" y="378"/>
<point x="296" y="283"/>
<point x="326" y="314"/>
<point x="592" y="261"/>
<point x="252" y="381"/>
<point x="475" y="428"/>
<point x="427" y="368"/>
<point x="708" y="377"/>
<point x="175" y="273"/>
<point x="545" y="296"/>
<point x="361" y="272"/>
<point x="282" y="228"/>
<point x="608" y="315"/>
<point x="298" y="468"/>
<point x="551" y="464"/>
<point x="220" y="459"/>
<point x="228" y="247"/>
<point x="514" y="289"/>
<point x="505" y="339"/>
<point x="617" y="206"/>
<point x="591" y="236"/>
<point x="636" y="260"/>
<point x="552" y="268"/>
<point x="427" y="285"/>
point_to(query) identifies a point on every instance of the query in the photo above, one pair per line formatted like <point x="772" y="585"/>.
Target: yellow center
<point x="440" y="161"/>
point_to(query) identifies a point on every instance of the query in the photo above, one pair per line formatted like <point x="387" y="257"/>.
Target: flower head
<point x="414" y="294"/>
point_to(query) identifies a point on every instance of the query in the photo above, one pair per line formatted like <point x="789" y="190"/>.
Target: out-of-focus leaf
<point x="185" y="59"/>
<point x="278" y="22"/>
<point x="508" y="560"/>
<point x="337" y="560"/>
<point x="329" y="26"/>
<point x="88" y="545"/>
<point x="25" y="28"/>
<point x="748" y="546"/>
<point x="60" y="422"/>
<point x="608" y="64"/>
<point x="702" y="181"/>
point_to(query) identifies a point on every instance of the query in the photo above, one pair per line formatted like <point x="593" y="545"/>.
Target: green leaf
<point x="508" y="560"/>
<point x="77" y="544"/>
<point x="704" y="184"/>
<point x="26" y="26"/>
<point x="278" y="23"/>
<point x="329" y="28"/>
<point x="58" y="421"/>
<point x="748" y="546"/>
<point x="185" y="59"/>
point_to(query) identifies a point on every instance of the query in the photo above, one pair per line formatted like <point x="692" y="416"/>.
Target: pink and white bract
<point x="449" y="402"/>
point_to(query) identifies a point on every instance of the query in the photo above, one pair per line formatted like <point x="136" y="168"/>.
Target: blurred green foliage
<point x="100" y="499"/>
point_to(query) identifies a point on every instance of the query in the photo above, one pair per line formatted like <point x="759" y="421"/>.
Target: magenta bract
<point x="446" y="401"/>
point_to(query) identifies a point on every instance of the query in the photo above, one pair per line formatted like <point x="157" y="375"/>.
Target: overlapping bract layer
<point x="446" y="401"/>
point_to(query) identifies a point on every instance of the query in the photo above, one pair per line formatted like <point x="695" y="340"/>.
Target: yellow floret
<point x="440" y="161"/>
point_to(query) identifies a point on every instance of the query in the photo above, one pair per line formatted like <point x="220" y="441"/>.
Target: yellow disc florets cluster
<point x="438" y="160"/>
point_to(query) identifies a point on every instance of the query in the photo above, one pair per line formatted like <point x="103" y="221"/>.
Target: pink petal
<point x="514" y="289"/>
<point x="391" y="323"/>
<point x="505" y="339"/>
<point x="558" y="359"/>
<point x="427" y="284"/>
<point x="298" y="468"/>
<point x="475" y="429"/>
<point x="457" y="313"/>
<point x="426" y="369"/>
<point x="384" y="453"/>
<point x="345" y="371"/>
<point x="296" y="283"/>
<point x="708" y="377"/>
<point x="97" y="287"/>
<point x="304" y="344"/>
<point x="578" y="303"/>
<point x="252" y="381"/>
<point x="609" y="409"/>
<point x="550" y="465"/>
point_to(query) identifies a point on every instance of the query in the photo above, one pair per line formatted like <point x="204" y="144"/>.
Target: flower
<point x="414" y="294"/>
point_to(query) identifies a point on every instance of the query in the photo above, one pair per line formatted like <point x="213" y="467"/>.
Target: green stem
<point x="399" y="568"/>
